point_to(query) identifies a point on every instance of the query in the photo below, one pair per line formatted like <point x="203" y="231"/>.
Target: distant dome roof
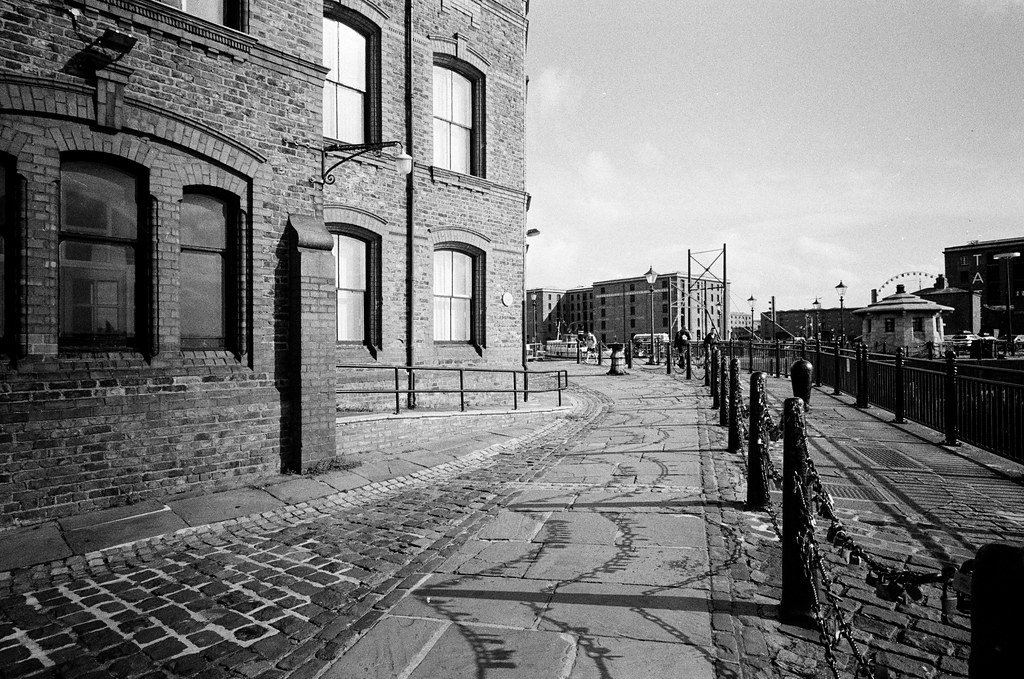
<point x="902" y="302"/>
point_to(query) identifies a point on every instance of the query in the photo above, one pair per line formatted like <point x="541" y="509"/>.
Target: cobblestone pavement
<point x="581" y="532"/>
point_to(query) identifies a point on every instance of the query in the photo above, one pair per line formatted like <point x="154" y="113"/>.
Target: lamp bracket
<point x="353" y="151"/>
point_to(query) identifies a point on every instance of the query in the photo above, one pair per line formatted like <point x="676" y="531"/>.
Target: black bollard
<point x="997" y="599"/>
<point x="689" y="365"/>
<point x="723" y="389"/>
<point x="668" y="359"/>
<point x="798" y="585"/>
<point x="713" y="370"/>
<point x="629" y="355"/>
<point x="952" y="408"/>
<point x="800" y="376"/>
<point x="757" y="448"/>
<point x="735" y="444"/>
<point x="901" y="396"/>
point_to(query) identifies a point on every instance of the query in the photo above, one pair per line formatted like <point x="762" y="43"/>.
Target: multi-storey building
<point x="543" y="314"/>
<point x="982" y="267"/>
<point x="202" y="219"/>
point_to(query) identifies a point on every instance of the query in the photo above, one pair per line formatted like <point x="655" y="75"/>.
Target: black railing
<point x="520" y="383"/>
<point x="979" y="404"/>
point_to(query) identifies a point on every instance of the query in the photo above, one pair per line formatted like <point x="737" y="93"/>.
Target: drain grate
<point x="886" y="457"/>
<point x="846" y="492"/>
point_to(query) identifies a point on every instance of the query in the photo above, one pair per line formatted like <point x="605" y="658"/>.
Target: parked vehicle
<point x="963" y="339"/>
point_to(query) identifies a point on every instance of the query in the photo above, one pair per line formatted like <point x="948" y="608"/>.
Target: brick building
<point x="544" y="310"/>
<point x="975" y="267"/>
<point x="180" y="276"/>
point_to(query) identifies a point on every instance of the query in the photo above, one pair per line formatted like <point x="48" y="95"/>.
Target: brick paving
<point x="580" y="529"/>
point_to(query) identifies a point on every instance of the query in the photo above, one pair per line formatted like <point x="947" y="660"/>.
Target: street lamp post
<point x="1008" y="256"/>
<point x="651" y="276"/>
<point x="817" y="320"/>
<point x="530" y="233"/>
<point x="533" y="301"/>
<point x="841" y="289"/>
<point x="751" y="301"/>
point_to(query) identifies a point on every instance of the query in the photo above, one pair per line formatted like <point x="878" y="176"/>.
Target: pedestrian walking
<point x="591" y="347"/>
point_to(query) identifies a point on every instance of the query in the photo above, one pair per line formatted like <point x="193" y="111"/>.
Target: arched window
<point x="458" y="116"/>
<point x="104" y="299"/>
<point x="458" y="295"/>
<point x="357" y="282"/>
<point x="351" y="101"/>
<point x="208" y="270"/>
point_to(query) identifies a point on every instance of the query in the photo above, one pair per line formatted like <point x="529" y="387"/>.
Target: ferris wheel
<point x="923" y="279"/>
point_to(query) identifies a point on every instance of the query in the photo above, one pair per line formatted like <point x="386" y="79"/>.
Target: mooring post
<point x="735" y="445"/>
<point x="997" y="598"/>
<point x="757" y="447"/>
<point x="799" y="580"/>
<point x="800" y="377"/>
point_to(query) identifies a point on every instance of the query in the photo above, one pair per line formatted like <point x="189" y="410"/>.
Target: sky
<point x="818" y="141"/>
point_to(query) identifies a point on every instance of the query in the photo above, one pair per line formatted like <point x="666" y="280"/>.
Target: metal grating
<point x="886" y="457"/>
<point x="846" y="492"/>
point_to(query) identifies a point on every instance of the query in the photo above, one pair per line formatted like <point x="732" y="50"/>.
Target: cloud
<point x="553" y="92"/>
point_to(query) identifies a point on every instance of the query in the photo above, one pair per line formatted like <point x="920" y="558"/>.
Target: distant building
<point x="544" y="314"/>
<point x="902" y="320"/>
<point x="966" y="305"/>
<point x="974" y="267"/>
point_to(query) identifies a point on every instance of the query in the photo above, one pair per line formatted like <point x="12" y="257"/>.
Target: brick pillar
<point x="311" y="340"/>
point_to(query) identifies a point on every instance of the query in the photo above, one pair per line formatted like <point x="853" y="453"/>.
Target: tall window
<point x="350" y="258"/>
<point x="207" y="269"/>
<point x="453" y="296"/>
<point x="225" y="12"/>
<point x="100" y="257"/>
<point x="458" y="117"/>
<point x="351" y="92"/>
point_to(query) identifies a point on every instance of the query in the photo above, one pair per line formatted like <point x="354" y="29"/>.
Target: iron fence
<point x="977" y="403"/>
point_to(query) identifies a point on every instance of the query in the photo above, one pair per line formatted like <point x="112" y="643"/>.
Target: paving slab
<point x="593" y="610"/>
<point x="478" y="651"/>
<point x="112" y="514"/>
<point x="617" y="658"/>
<point x="509" y="525"/>
<point x="483" y="599"/>
<point x="390" y="649"/>
<point x="122" y="531"/>
<point x="230" y="504"/>
<point x="33" y="545"/>
<point x="662" y="530"/>
<point x="543" y="500"/>
<point x="343" y="480"/>
<point x="580" y="528"/>
<point x="301" y="489"/>
<point x="629" y="565"/>
<point x="506" y="559"/>
<point x="640" y="501"/>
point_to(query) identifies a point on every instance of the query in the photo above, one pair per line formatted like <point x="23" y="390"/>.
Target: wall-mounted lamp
<point x="114" y="40"/>
<point x="403" y="161"/>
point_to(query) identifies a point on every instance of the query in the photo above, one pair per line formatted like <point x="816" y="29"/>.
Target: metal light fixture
<point x="403" y="161"/>
<point x="117" y="41"/>
<point x="751" y="301"/>
<point x="841" y="289"/>
<point x="651" y="276"/>
<point x="1008" y="256"/>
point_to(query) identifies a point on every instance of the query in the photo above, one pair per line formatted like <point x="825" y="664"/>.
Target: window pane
<point x="351" y="58"/>
<point x="462" y="275"/>
<point x="350" y="255"/>
<point x="460" y="319"/>
<point x="204" y="221"/>
<point x="442" y="143"/>
<point x="462" y="100"/>
<point x="202" y="294"/>
<point x="459" y="150"/>
<point x="97" y="289"/>
<point x="98" y="199"/>
<point x="331" y="48"/>
<point x="442" y="93"/>
<point x="443" y="272"/>
<point x="350" y="116"/>
<point x="351" y="312"/>
<point x="330" y="110"/>
<point x="211" y="10"/>
<point x="442" y="318"/>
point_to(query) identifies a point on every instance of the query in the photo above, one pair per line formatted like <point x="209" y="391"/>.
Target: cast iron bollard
<point x="997" y="599"/>
<point x="798" y="586"/>
<point x="801" y="374"/>
<point x="629" y="355"/>
<point x="735" y="444"/>
<point x="900" y="388"/>
<point x="689" y="365"/>
<point x="757" y="448"/>
<point x="668" y="359"/>
<point x="952" y="425"/>
<point x="713" y="370"/>
<point x="838" y="367"/>
<point x="723" y="388"/>
<point x="616" y="359"/>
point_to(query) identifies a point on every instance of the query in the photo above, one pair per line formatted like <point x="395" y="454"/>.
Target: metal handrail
<point x="410" y="389"/>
